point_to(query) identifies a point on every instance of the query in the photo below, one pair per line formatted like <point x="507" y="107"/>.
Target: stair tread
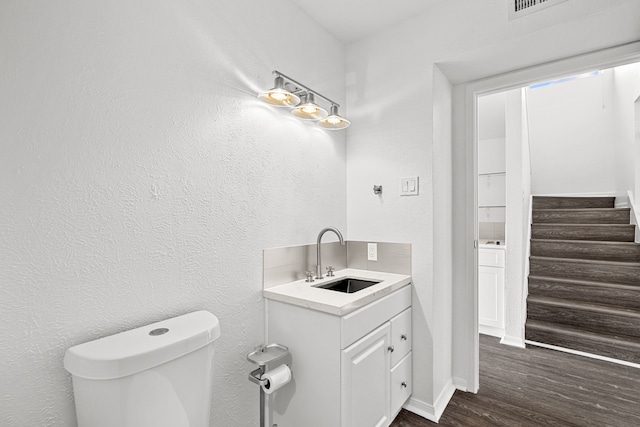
<point x="582" y="209"/>
<point x="586" y="202"/>
<point x="608" y="310"/>
<point x="588" y="242"/>
<point x="554" y="224"/>
<point x="570" y="330"/>
<point x="585" y="282"/>
<point x="586" y="261"/>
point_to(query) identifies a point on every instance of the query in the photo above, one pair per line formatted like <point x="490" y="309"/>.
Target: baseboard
<point x="435" y="411"/>
<point x="582" y="353"/>
<point x="513" y="341"/>
<point x="491" y="330"/>
<point x="460" y="384"/>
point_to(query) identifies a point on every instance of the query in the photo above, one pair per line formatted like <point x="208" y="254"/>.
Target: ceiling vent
<point x="520" y="8"/>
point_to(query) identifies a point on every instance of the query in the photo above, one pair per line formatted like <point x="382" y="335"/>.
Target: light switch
<point x="409" y="186"/>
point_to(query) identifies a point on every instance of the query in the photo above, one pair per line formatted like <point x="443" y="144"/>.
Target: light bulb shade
<point x="334" y="121"/>
<point x="309" y="110"/>
<point x="279" y="96"/>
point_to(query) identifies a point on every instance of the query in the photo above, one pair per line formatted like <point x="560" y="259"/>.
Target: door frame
<point x="465" y="117"/>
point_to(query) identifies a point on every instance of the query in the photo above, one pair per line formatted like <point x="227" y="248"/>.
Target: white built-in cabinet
<point x="491" y="264"/>
<point x="349" y="371"/>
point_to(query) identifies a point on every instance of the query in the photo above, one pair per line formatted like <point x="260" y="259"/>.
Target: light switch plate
<point x="409" y="186"/>
<point x="372" y="251"/>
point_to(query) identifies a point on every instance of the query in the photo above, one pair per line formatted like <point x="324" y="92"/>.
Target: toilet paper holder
<point x="262" y="356"/>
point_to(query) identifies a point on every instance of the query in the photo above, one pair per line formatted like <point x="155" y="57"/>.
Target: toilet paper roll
<point x="276" y="378"/>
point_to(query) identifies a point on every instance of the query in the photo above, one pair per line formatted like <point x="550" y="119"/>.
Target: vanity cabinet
<point x="349" y="371"/>
<point x="491" y="264"/>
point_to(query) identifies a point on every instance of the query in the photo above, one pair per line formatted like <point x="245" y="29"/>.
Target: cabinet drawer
<point x="401" y="384"/>
<point x="364" y="320"/>
<point x="491" y="257"/>
<point x="401" y="336"/>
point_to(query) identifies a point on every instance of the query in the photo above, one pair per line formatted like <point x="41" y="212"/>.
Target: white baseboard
<point x="435" y="411"/>
<point x="460" y="384"/>
<point x="581" y="353"/>
<point x="513" y="341"/>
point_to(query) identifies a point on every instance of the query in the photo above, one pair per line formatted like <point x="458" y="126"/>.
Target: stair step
<point x="599" y="232"/>
<point x="609" y="294"/>
<point x="576" y="339"/>
<point x="586" y="249"/>
<point x="600" y="271"/>
<point x="582" y="216"/>
<point x="550" y="202"/>
<point x="588" y="317"/>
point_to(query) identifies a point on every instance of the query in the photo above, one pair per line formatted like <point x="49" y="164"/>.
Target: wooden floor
<point x="541" y="387"/>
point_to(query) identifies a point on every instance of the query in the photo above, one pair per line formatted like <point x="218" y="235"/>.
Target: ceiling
<point x="352" y="20"/>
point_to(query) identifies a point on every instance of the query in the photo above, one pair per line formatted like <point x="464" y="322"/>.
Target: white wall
<point x="140" y="178"/>
<point x="626" y="89"/>
<point x="491" y="117"/>
<point x="517" y="200"/>
<point x="571" y="132"/>
<point x="442" y="233"/>
<point x="582" y="134"/>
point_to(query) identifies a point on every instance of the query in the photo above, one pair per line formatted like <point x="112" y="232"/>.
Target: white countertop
<point x="308" y="295"/>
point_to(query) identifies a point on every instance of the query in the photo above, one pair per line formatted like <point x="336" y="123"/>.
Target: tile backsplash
<point x="288" y="264"/>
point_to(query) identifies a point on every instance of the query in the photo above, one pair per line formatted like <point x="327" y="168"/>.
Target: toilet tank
<point x="158" y="375"/>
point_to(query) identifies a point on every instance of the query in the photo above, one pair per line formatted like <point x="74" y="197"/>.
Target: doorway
<point x="465" y="167"/>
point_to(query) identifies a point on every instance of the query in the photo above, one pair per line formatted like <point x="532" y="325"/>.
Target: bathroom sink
<point x="348" y="285"/>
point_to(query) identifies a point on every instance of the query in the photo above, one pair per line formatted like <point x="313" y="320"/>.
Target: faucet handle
<point x="309" y="276"/>
<point x="330" y="271"/>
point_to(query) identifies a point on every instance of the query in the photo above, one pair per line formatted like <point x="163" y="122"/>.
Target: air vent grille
<point x="524" y="4"/>
<point x="518" y="8"/>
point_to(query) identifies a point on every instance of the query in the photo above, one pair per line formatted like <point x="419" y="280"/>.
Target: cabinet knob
<point x="404" y="384"/>
<point x="391" y="348"/>
<point x="403" y="337"/>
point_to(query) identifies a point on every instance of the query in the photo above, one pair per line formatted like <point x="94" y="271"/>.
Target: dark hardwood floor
<point x="541" y="387"/>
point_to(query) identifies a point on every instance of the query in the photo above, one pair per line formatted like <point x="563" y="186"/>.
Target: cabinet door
<point x="365" y="380"/>
<point x="491" y="296"/>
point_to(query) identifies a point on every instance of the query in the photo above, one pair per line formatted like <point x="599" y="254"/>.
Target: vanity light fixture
<point x="334" y="121"/>
<point x="309" y="110"/>
<point x="289" y="93"/>
<point x="279" y="96"/>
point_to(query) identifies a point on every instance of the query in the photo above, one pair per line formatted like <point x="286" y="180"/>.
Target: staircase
<point x="584" y="278"/>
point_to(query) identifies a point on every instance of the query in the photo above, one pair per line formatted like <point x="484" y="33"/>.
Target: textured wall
<point x="141" y="179"/>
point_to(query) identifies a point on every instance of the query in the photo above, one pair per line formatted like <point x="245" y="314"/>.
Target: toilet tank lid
<point x="135" y="350"/>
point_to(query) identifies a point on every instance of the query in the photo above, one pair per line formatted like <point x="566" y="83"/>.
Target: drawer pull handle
<point x="391" y="348"/>
<point x="403" y="337"/>
<point x="404" y="384"/>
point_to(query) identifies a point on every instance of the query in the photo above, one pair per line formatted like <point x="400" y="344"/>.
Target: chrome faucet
<point x="319" y="257"/>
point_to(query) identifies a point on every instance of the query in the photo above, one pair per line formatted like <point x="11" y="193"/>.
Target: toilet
<point x="158" y="375"/>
